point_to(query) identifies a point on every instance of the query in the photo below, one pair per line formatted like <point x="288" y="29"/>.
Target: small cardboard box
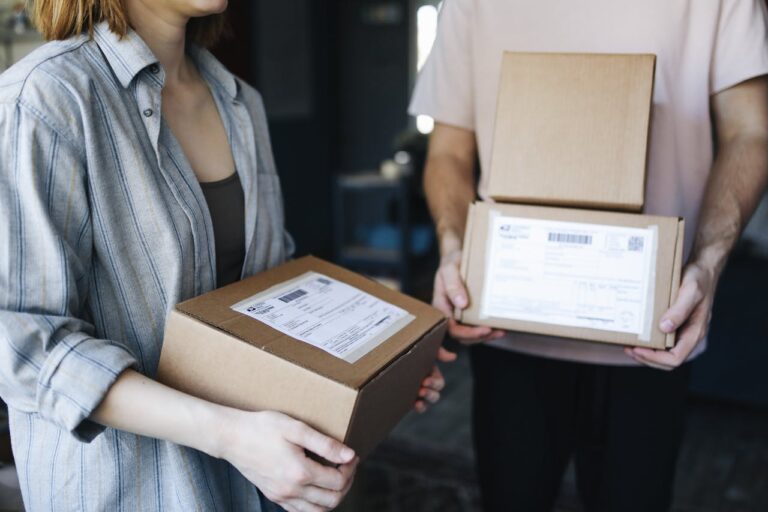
<point x="228" y="357"/>
<point x="572" y="130"/>
<point x="583" y="274"/>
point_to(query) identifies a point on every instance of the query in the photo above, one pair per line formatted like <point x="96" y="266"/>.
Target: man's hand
<point x="450" y="293"/>
<point x="736" y="185"/>
<point x="449" y="184"/>
<point x="689" y="316"/>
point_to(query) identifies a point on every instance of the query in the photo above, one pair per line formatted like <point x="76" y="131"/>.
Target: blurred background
<point x="336" y="77"/>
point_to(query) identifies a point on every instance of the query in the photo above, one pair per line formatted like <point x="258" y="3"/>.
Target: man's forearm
<point x="734" y="190"/>
<point x="449" y="183"/>
<point x="740" y="173"/>
<point x="449" y="194"/>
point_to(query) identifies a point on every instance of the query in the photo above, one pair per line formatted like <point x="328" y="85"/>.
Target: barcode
<point x="292" y="296"/>
<point x="323" y="280"/>
<point x="636" y="243"/>
<point x="570" y="238"/>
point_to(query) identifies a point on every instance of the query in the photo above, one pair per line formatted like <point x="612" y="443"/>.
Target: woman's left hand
<point x="429" y="394"/>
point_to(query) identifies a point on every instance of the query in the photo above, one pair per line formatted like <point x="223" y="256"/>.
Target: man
<point x="539" y="401"/>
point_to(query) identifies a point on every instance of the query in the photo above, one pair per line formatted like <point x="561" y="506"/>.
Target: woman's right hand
<point x="268" y="448"/>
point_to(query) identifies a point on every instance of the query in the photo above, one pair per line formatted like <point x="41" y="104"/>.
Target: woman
<point x="136" y="172"/>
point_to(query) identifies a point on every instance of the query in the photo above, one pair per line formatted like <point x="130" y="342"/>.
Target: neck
<point x="165" y="34"/>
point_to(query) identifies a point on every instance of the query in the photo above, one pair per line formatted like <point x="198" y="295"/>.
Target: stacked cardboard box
<point x="555" y="250"/>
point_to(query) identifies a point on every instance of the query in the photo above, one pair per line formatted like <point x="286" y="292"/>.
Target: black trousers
<point x="622" y="425"/>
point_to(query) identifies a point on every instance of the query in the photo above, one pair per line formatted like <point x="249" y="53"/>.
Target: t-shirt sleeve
<point x="444" y="89"/>
<point x="741" y="47"/>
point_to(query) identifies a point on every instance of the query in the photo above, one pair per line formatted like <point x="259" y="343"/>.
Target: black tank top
<point x="227" y="207"/>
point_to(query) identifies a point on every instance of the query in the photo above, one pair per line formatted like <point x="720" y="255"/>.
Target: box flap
<point x="572" y="130"/>
<point x="466" y="254"/>
<point x="214" y="309"/>
<point x="677" y="271"/>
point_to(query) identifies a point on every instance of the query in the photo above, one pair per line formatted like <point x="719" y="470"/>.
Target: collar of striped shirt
<point x="130" y="55"/>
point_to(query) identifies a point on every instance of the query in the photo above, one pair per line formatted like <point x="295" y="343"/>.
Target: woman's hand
<point x="429" y="394"/>
<point x="268" y="448"/>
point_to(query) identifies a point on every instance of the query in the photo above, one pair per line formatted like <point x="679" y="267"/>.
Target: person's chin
<point x="208" y="7"/>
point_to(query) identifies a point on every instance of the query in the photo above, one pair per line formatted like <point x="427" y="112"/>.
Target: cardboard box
<point x="572" y="130"/>
<point x="225" y="356"/>
<point x="571" y="273"/>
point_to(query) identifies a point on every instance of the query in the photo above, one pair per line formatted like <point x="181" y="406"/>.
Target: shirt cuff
<point x="75" y="379"/>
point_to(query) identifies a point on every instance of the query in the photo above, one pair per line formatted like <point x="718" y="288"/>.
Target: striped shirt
<point x="104" y="228"/>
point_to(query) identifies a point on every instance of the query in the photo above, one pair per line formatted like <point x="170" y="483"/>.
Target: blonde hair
<point x="62" y="19"/>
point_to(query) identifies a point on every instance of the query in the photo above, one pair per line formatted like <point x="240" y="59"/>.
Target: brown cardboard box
<point x="216" y="353"/>
<point x="536" y="285"/>
<point x="572" y="130"/>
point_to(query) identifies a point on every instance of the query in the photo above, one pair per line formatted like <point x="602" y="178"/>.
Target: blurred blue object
<point x="388" y="237"/>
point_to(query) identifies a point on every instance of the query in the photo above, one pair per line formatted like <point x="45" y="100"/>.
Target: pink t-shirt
<point x="702" y="46"/>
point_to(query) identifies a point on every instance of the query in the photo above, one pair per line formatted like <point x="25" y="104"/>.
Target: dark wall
<point x="334" y="76"/>
<point x="374" y="80"/>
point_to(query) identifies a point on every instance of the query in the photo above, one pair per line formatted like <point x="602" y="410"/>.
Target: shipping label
<point x="333" y="316"/>
<point x="570" y="274"/>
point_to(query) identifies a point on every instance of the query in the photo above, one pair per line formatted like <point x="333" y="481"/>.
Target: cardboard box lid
<point x="214" y="309"/>
<point x="572" y="130"/>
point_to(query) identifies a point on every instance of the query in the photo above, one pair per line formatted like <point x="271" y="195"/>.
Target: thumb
<point x="687" y="300"/>
<point x="320" y="444"/>
<point x="454" y="286"/>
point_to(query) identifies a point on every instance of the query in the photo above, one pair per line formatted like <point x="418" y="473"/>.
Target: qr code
<point x="636" y="243"/>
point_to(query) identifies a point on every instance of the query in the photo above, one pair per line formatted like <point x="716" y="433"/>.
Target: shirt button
<point x="154" y="69"/>
<point x="148" y="112"/>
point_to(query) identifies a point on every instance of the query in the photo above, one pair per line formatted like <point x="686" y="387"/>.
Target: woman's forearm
<point x="140" y="405"/>
<point x="268" y="448"/>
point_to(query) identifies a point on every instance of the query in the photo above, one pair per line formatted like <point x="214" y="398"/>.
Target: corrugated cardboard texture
<point x="215" y="366"/>
<point x="390" y="395"/>
<point x="572" y="130"/>
<point x="669" y="255"/>
<point x="214" y="309"/>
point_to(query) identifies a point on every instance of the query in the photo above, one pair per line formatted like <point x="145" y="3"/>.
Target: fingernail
<point x="348" y="453"/>
<point x="667" y="325"/>
<point x="460" y="301"/>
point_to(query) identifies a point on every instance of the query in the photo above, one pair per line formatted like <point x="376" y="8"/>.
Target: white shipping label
<point x="571" y="274"/>
<point x="333" y="316"/>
